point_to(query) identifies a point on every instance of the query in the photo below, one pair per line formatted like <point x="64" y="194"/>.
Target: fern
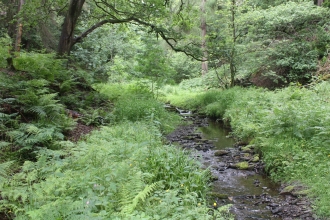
<point x="4" y="144"/>
<point x="39" y="110"/>
<point x="4" y="168"/>
<point x="130" y="204"/>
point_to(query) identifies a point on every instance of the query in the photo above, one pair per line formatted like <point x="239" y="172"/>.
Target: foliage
<point x="290" y="127"/>
<point x="134" y="102"/>
<point x="97" y="117"/>
<point x="108" y="50"/>
<point x="183" y="67"/>
<point x="114" y="174"/>
<point x="153" y="64"/>
<point x="31" y="111"/>
<point x="31" y="116"/>
<point x="286" y="40"/>
<point x="4" y="51"/>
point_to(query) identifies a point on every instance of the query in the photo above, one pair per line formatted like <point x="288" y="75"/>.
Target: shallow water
<point x="217" y="134"/>
<point x="246" y="190"/>
<point x="252" y="194"/>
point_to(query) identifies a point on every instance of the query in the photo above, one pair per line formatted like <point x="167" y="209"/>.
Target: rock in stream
<point x="238" y="174"/>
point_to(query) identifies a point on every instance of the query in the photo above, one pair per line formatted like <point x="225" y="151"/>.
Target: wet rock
<point x="255" y="158"/>
<point x="293" y="205"/>
<point x="214" y="178"/>
<point x="218" y="195"/>
<point x="301" y="192"/>
<point x="246" y="149"/>
<point x="273" y="205"/>
<point x="287" y="190"/>
<point x="220" y="153"/>
<point x="241" y="143"/>
<point x="277" y="210"/>
<point x="242" y="165"/>
<point x="222" y="164"/>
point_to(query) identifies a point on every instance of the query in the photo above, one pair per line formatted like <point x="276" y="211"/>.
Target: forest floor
<point x="79" y="132"/>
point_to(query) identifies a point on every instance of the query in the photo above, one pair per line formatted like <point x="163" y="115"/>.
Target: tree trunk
<point x="319" y="2"/>
<point x="19" y="31"/>
<point x="203" y="28"/>
<point x="70" y="21"/>
<point x="10" y="13"/>
<point x="233" y="50"/>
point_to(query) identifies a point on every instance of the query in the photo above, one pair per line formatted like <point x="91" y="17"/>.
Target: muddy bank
<point x="238" y="174"/>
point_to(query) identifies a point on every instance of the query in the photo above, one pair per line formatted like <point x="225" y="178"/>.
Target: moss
<point x="246" y="149"/>
<point x="255" y="158"/>
<point x="242" y="165"/>
<point x="218" y="195"/>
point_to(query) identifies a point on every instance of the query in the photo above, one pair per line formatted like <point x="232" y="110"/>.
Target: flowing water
<point x="247" y="191"/>
<point x="251" y="193"/>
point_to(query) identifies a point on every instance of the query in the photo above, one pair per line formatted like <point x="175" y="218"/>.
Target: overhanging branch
<point x="171" y="41"/>
<point x="97" y="25"/>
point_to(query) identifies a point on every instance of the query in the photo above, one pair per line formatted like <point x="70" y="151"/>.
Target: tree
<point x="19" y="28"/>
<point x="153" y="63"/>
<point x="203" y="28"/>
<point x="290" y="39"/>
<point x="67" y="39"/>
<point x="223" y="37"/>
<point x="318" y="2"/>
<point x="154" y="14"/>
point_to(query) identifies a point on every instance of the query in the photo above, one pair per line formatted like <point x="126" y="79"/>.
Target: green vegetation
<point x="119" y="172"/>
<point x="289" y="127"/>
<point x="110" y="66"/>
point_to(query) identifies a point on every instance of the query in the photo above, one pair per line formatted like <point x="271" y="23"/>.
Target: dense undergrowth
<point x="122" y="171"/>
<point x="289" y="126"/>
<point x="34" y="103"/>
<point x="119" y="172"/>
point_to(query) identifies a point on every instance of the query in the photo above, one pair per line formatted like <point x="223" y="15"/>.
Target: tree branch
<point x="97" y="25"/>
<point x="159" y="31"/>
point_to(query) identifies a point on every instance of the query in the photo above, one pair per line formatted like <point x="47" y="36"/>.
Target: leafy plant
<point x="109" y="176"/>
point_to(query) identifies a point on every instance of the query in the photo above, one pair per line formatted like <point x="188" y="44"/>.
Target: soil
<point x="79" y="132"/>
<point x="252" y="194"/>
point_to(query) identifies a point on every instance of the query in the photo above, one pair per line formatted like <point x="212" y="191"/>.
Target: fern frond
<point x="39" y="110"/>
<point x="15" y="135"/>
<point x="141" y="196"/>
<point x="4" y="168"/>
<point x="3" y="115"/>
<point x="4" y="144"/>
<point x="32" y="129"/>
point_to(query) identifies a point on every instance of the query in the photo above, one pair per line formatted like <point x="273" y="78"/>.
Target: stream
<point x="237" y="173"/>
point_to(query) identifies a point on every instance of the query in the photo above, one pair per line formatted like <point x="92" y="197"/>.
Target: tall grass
<point x="135" y="102"/>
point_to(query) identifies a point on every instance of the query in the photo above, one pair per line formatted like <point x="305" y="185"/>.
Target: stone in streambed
<point x="242" y="166"/>
<point x="218" y="195"/>
<point x="246" y="149"/>
<point x="287" y="190"/>
<point x="255" y="158"/>
<point x="301" y="192"/>
<point x="214" y="178"/>
<point x="220" y="153"/>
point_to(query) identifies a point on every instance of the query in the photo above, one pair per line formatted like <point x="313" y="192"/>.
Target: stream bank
<point x="238" y="174"/>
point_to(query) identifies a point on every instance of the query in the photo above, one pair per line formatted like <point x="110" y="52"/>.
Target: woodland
<point x="83" y="85"/>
